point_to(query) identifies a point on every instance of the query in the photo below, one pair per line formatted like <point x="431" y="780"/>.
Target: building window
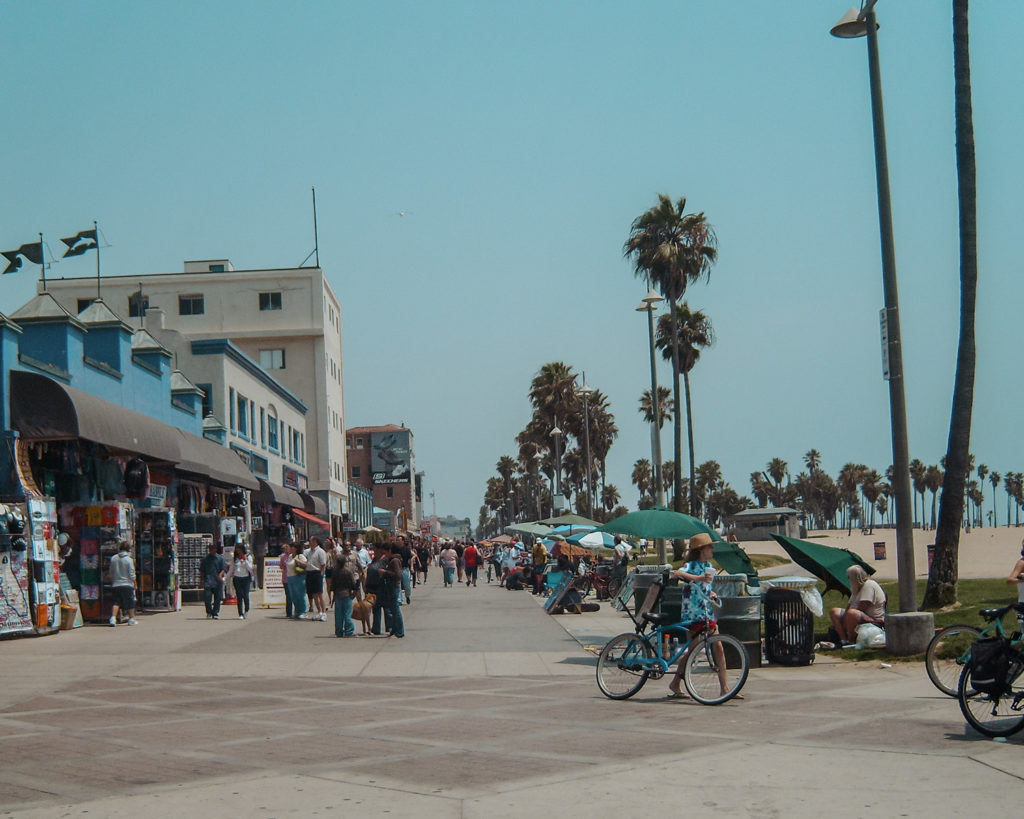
<point x="391" y="491"/>
<point x="243" y="415"/>
<point x="191" y="305"/>
<point x="83" y="303"/>
<point x="272" y="432"/>
<point x="359" y="443"/>
<point x="231" y="406"/>
<point x="216" y="268"/>
<point x="137" y="305"/>
<point x="272" y="359"/>
<point x="263" y="428"/>
<point x="207" y="398"/>
<point x="270" y="301"/>
<point x="357" y="472"/>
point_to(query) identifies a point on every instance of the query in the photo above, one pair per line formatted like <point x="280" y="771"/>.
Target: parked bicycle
<point x="950" y="650"/>
<point x="605" y="581"/>
<point x="991" y="687"/>
<point x="716" y="665"/>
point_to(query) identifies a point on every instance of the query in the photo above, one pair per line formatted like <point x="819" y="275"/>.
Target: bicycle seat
<point x="997" y="614"/>
<point x="661" y="619"/>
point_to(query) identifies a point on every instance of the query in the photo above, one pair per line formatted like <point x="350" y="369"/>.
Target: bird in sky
<point x="403" y="212"/>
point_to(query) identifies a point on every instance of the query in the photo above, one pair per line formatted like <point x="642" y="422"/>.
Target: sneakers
<point x="132" y="621"/>
<point x="113" y="621"/>
<point x="322" y="616"/>
<point x="216" y="617"/>
<point x="241" y="616"/>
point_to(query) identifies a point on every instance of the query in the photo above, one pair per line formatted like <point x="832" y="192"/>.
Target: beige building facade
<point x="286" y="320"/>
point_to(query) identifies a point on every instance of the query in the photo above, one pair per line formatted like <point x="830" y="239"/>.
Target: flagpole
<point x="42" y="260"/>
<point x="96" y="230"/>
<point x="316" y="237"/>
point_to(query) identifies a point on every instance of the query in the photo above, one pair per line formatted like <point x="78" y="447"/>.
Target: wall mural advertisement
<point x="390" y="457"/>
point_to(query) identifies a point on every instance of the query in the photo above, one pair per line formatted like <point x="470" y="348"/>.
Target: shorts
<point x="314" y="582"/>
<point x="471" y="572"/>
<point x="124" y="597"/>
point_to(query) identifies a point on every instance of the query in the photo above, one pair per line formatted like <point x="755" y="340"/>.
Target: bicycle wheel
<point x="716" y="669"/>
<point x="994" y="716"/>
<point x="614" y="584"/>
<point x="947" y="652"/>
<point x="622" y="667"/>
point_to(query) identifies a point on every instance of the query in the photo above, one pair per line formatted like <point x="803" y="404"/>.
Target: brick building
<point x="381" y="460"/>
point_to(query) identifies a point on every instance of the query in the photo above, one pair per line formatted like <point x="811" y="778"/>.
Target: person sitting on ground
<point x="867" y="605"/>
<point x="697" y="612"/>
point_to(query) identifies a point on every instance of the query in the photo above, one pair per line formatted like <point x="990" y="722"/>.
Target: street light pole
<point x="857" y="24"/>
<point x="585" y="392"/>
<point x="647" y="306"/>
<point x="556" y="433"/>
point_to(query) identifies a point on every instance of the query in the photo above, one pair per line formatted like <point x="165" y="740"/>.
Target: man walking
<point x="122" y="579"/>
<point x="212" y="569"/>
<point x="316" y="562"/>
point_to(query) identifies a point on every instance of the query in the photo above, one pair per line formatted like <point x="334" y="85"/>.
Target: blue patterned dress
<point x="697" y="596"/>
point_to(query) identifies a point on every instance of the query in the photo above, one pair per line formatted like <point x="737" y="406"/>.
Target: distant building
<point x="381" y="459"/>
<point x="761" y="524"/>
<point x="453" y="527"/>
<point x="287" y="320"/>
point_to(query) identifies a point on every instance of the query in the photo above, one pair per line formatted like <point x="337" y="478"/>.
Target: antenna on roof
<point x="316" y="238"/>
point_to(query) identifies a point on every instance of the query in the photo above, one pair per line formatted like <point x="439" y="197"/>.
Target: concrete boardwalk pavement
<point x="488" y="708"/>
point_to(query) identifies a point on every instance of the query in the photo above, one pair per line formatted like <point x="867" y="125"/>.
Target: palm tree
<point x="917" y="470"/>
<point x="609" y="497"/>
<point x="994" y="479"/>
<point x="695" y="333"/>
<point x="664" y="406"/>
<point x="933" y="481"/>
<point x="870" y="485"/>
<point x="812" y="460"/>
<point x="942" y="577"/>
<point x="505" y="467"/>
<point x="672" y="249"/>
<point x="982" y="474"/>
<point x="643" y="477"/>
<point x="848" y="481"/>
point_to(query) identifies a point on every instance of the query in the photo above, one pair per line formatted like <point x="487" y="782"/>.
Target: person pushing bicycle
<point x="697" y="611"/>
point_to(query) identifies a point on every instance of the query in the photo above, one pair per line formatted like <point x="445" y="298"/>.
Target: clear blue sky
<point x="522" y="139"/>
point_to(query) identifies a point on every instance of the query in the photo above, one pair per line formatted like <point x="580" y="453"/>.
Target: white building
<point x="288" y="320"/>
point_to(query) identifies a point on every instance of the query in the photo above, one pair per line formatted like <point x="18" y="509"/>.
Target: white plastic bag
<point x="870" y="636"/>
<point x="812" y="599"/>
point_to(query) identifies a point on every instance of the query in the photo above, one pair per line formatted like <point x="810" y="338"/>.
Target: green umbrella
<point x="826" y="562"/>
<point x="658" y="522"/>
<point x="535" y="528"/>
<point x="569" y="519"/>
<point x="732" y="558"/>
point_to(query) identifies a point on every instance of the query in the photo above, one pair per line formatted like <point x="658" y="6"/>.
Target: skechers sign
<point x="390" y="457"/>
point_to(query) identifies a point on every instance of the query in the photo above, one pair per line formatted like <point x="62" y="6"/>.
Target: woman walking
<point x="296" y="581"/>
<point x="449" y="559"/>
<point x="243" y="577"/>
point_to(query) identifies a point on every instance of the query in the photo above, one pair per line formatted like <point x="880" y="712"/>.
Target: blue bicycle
<point x="716" y="665"/>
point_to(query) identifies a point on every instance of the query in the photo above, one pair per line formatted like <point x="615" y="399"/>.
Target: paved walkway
<point x="488" y="708"/>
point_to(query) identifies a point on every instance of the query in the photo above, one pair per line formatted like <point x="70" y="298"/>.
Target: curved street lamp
<point x="585" y="392"/>
<point x="858" y="23"/>
<point x="556" y="433"/>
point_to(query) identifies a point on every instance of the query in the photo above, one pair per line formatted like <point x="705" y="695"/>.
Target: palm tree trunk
<point x="677" y="421"/>
<point x="942" y="577"/>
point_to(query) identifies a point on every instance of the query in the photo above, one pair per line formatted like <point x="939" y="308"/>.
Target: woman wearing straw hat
<point x="697" y="612"/>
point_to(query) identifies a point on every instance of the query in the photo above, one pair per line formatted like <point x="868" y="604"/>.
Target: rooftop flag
<point x="32" y="251"/>
<point x="81" y="242"/>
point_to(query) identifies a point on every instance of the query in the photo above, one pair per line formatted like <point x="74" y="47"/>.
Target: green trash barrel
<point x="740" y="617"/>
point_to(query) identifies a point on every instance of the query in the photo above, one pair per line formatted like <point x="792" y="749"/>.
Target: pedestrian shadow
<point x="579" y="661"/>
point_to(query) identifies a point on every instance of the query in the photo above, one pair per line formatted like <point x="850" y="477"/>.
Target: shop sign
<point x="273" y="583"/>
<point x="293" y="479"/>
<point x="390" y="457"/>
<point x="349" y="525"/>
<point x="157" y="493"/>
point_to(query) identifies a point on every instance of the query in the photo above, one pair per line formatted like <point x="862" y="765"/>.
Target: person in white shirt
<point x="316" y="560"/>
<point x="243" y="577"/>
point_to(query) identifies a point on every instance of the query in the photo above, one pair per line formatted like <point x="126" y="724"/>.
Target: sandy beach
<point x="987" y="552"/>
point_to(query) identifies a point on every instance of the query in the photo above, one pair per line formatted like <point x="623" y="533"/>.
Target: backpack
<point x="372" y="583"/>
<point x="990" y="660"/>
<point x="344" y="576"/>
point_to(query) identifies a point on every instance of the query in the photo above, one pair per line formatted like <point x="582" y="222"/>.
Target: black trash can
<point x="788" y="628"/>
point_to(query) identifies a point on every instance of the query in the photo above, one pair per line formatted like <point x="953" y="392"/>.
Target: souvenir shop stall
<point x="274" y="507"/>
<point x="30" y="559"/>
<point x="207" y="515"/>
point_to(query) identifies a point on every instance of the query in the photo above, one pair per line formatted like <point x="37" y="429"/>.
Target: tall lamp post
<point x="556" y="433"/>
<point x="858" y="23"/>
<point x="647" y="306"/>
<point x="585" y="392"/>
<point x="537" y="458"/>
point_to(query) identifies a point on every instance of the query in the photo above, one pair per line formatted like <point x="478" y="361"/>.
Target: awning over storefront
<point x="273" y="493"/>
<point x="44" y="409"/>
<point x="314" y="505"/>
<point x="313" y="519"/>
<point x="217" y="462"/>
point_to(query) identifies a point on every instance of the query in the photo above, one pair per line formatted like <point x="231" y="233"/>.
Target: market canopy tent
<point x="658" y="522"/>
<point x="534" y="528"/>
<point x="569" y="519"/>
<point x="826" y="562"/>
